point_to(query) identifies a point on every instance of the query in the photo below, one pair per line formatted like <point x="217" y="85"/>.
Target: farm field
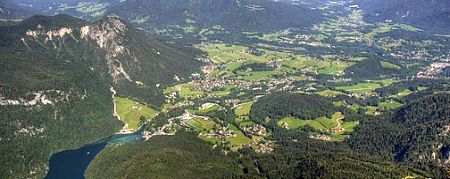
<point x="360" y="88"/>
<point x="322" y="124"/>
<point x="239" y="140"/>
<point x="243" y="109"/>
<point x="213" y="107"/>
<point x="330" y="93"/>
<point x="327" y="67"/>
<point x="391" y="104"/>
<point x="220" y="53"/>
<point x="131" y="112"/>
<point x="185" y="90"/>
<point x="258" y="75"/>
<point x="201" y="124"/>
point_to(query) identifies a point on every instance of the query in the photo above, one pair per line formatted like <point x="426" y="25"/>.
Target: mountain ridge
<point x="56" y="79"/>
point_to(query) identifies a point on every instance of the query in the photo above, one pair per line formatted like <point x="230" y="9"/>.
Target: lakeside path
<point x="125" y="129"/>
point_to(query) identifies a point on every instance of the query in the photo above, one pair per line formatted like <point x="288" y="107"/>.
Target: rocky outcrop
<point x="109" y="35"/>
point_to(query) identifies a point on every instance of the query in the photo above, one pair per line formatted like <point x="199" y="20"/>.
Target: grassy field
<point x="214" y="107"/>
<point x="389" y="27"/>
<point x="384" y="82"/>
<point x="407" y="92"/>
<point x="333" y="67"/>
<point x="201" y="124"/>
<point x="257" y="75"/>
<point x="323" y="124"/>
<point x="391" y="104"/>
<point x="329" y="93"/>
<point x="380" y="29"/>
<point x="404" y="93"/>
<point x="246" y="123"/>
<point x="131" y="111"/>
<point x="243" y="109"/>
<point x="360" y="88"/>
<point x="221" y="53"/>
<point x="240" y="140"/>
<point x="371" y="110"/>
<point x="185" y="91"/>
<point x="328" y="67"/>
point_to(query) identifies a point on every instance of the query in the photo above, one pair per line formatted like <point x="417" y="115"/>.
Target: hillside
<point x="182" y="155"/>
<point x="243" y="15"/>
<point x="414" y="134"/>
<point x="282" y="104"/>
<point x="86" y="9"/>
<point x="136" y="62"/>
<point x="55" y="84"/>
<point x="183" y="16"/>
<point x="10" y="10"/>
<point x="430" y="15"/>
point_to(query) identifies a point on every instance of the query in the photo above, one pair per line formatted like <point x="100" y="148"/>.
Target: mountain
<point x="430" y="15"/>
<point x="10" y="10"/>
<point x="416" y="134"/>
<point x="86" y="9"/>
<point x="233" y="15"/>
<point x="58" y="75"/>
<point x="183" y="155"/>
<point x="188" y="20"/>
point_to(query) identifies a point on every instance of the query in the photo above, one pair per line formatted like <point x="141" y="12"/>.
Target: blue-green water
<point x="71" y="164"/>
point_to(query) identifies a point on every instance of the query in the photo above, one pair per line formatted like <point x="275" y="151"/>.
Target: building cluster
<point x="349" y="38"/>
<point x="255" y="51"/>
<point x="434" y="70"/>
<point x="208" y="69"/>
<point x="222" y="133"/>
<point x="303" y="40"/>
<point x="264" y="148"/>
<point x="256" y="129"/>
<point x="166" y="129"/>
<point x="210" y="84"/>
<point x="320" y="136"/>
<point x="337" y="129"/>
<point x="421" y="54"/>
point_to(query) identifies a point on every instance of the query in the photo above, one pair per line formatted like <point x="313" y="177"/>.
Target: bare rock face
<point x="126" y="57"/>
<point x="109" y="35"/>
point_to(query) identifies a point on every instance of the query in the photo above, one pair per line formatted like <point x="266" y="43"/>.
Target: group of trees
<point x="283" y="104"/>
<point x="409" y="135"/>
<point x="183" y="155"/>
<point x="254" y="67"/>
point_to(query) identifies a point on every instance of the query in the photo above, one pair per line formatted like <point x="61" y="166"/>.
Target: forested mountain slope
<point x="233" y="15"/>
<point x="10" y="10"/>
<point x="56" y="78"/>
<point x="415" y="134"/>
<point x="430" y="15"/>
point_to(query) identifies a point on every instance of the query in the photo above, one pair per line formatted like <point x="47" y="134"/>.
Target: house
<point x="208" y="69"/>
<point x="186" y="115"/>
<point x="337" y="129"/>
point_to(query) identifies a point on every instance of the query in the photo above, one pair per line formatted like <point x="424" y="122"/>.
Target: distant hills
<point x="10" y="10"/>
<point x="431" y="15"/>
<point x="234" y="15"/>
<point x="159" y="15"/>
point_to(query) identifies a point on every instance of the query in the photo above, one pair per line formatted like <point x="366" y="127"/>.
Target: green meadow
<point x="131" y="112"/>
